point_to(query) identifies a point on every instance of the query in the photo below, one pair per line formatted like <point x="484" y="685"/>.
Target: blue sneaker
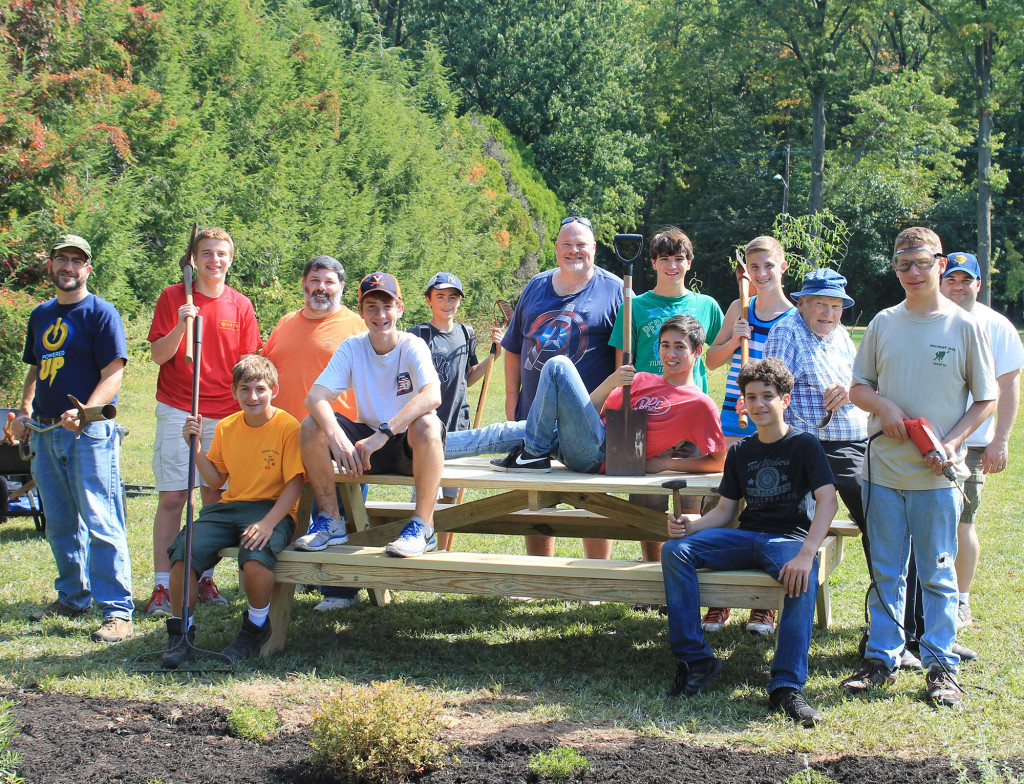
<point x="415" y="539"/>
<point x="323" y="532"/>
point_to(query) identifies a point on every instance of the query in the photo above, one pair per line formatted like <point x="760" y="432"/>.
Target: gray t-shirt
<point x="928" y="367"/>
<point x="383" y="383"/>
<point x="454" y="355"/>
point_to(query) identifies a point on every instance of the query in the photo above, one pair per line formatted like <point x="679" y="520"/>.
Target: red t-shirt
<point x="229" y="333"/>
<point x="674" y="414"/>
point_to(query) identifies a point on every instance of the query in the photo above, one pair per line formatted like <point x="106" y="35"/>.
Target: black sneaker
<point x="791" y="702"/>
<point x="942" y="687"/>
<point x="519" y="461"/>
<point x="874" y="673"/>
<point x="249" y="639"/>
<point x="692" y="678"/>
<point x="179" y="650"/>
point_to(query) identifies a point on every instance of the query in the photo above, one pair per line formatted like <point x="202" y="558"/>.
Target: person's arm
<point x="734" y="328"/>
<point x="106" y="390"/>
<point x="513" y="379"/>
<point x="28" y="393"/>
<point x="318" y="403"/>
<point x="997" y="453"/>
<point x="704" y="464"/>
<point x="622" y="375"/>
<point x="795" y="574"/>
<point x="256" y="536"/>
<point x="976" y="413"/>
<point x="889" y="414"/>
<point x="719" y="517"/>
<point x="423" y="402"/>
<point x="207" y="470"/>
<point x="163" y="349"/>
<point x="478" y="370"/>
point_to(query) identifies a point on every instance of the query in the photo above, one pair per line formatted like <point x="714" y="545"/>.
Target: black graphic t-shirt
<point x="777" y="481"/>
<point x="454" y="355"/>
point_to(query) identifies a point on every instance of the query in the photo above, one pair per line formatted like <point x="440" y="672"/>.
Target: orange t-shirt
<point x="300" y="348"/>
<point x="259" y="461"/>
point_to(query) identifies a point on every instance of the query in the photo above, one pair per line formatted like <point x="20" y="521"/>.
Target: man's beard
<point x="322" y="303"/>
<point x="67" y="284"/>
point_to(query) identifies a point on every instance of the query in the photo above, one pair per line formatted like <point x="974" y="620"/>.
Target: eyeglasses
<point x="62" y="260"/>
<point x="923" y="265"/>
<point x="579" y="218"/>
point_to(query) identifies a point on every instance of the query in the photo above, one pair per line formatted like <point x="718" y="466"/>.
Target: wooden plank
<point x="281" y="599"/>
<point x="650" y="520"/>
<point x="536" y="500"/>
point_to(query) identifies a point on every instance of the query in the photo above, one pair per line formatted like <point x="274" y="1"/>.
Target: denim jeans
<point x="929" y="517"/>
<point x="732" y="548"/>
<point x="561" y="421"/>
<point x="80" y="486"/>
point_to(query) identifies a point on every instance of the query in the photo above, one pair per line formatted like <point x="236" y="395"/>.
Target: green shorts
<point x="221" y="525"/>
<point x="973" y="484"/>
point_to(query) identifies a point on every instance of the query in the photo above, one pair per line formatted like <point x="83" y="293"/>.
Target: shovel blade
<point x="625" y="442"/>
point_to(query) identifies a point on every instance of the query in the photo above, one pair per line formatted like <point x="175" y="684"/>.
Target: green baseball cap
<point x="72" y="241"/>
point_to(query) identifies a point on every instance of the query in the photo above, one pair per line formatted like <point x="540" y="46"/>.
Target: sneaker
<point x="249" y="639"/>
<point x="159" y="603"/>
<point x="323" y="532"/>
<point x="179" y="650"/>
<point x="113" y="630"/>
<point x="908" y="661"/>
<point x="519" y="461"/>
<point x="963" y="616"/>
<point x="761" y="622"/>
<point x="332" y="603"/>
<point x="874" y="673"/>
<point x="942" y="687"/>
<point x="57" y="610"/>
<point x="715" y="619"/>
<point x="692" y="678"/>
<point x="209" y="593"/>
<point x="791" y="702"/>
<point x="415" y="539"/>
<point x="966" y="654"/>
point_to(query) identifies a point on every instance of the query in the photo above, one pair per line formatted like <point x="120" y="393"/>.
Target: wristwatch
<point x="385" y="428"/>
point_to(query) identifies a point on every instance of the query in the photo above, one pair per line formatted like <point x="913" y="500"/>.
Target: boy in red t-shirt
<point x="229" y="333"/>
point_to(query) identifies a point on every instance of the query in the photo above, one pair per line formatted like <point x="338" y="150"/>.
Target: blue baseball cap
<point x="824" y="283"/>
<point x="444" y="280"/>
<point x="964" y="262"/>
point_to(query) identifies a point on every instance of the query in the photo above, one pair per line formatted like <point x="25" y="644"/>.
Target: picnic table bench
<point x="526" y="504"/>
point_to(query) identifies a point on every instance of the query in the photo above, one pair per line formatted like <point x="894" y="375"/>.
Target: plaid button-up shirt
<point x="817" y="363"/>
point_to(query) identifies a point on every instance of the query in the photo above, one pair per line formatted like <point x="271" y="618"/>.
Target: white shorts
<point x="170" y="451"/>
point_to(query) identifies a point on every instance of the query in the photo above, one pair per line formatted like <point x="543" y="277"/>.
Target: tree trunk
<point x="983" y="87"/>
<point x="817" y="197"/>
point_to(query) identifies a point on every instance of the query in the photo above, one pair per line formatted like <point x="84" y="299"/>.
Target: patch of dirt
<point x="67" y="738"/>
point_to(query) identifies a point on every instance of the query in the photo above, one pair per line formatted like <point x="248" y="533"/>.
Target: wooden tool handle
<point x="627" y="333"/>
<point x="189" y="329"/>
<point x="744" y="420"/>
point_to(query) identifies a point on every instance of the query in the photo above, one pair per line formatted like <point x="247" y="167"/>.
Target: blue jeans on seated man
<point x="79" y="481"/>
<point x="338" y="591"/>
<point x="930" y="518"/>
<point x="733" y="548"/>
<point x="561" y="422"/>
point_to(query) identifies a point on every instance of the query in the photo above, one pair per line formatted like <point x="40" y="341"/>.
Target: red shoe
<point x="159" y="603"/>
<point x="716" y="619"/>
<point x="761" y="622"/>
<point x="208" y="593"/>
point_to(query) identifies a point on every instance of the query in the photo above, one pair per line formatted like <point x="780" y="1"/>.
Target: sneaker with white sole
<point x="715" y="619"/>
<point x="761" y="622"/>
<point x="209" y="593"/>
<point x="519" y="461"/>
<point x="415" y="539"/>
<point x="332" y="603"/>
<point x="942" y="687"/>
<point x="159" y="603"/>
<point x="323" y="532"/>
<point x="963" y="616"/>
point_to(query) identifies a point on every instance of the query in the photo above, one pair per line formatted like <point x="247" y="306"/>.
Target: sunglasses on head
<point x="585" y="221"/>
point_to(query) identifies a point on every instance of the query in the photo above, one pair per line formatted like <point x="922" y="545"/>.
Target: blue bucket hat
<point x="964" y="262"/>
<point x="824" y="283"/>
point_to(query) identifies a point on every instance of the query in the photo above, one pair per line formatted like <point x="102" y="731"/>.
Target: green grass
<point x="544" y="661"/>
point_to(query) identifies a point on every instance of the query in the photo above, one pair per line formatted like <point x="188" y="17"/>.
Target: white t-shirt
<point x="1008" y="355"/>
<point x="383" y="383"/>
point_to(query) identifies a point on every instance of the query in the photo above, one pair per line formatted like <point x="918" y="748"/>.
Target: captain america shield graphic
<point x="554" y="333"/>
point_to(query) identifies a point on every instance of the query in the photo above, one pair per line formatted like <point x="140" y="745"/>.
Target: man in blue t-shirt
<point x="75" y="345"/>
<point x="569" y="311"/>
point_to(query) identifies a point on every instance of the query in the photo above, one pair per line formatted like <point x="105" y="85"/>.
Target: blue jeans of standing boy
<point x="79" y="482"/>
<point x="732" y="548"/>
<point x="929" y="517"/>
<point x="561" y="421"/>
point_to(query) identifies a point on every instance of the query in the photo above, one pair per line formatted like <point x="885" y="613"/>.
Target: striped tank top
<point x="758" y="335"/>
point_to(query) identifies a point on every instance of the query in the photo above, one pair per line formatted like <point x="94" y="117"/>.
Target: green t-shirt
<point x="650" y="311"/>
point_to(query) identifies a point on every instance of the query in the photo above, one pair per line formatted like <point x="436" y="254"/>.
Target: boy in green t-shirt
<point x="671" y="257"/>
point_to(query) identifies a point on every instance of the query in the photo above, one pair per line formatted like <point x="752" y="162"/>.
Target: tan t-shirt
<point x="926" y="366"/>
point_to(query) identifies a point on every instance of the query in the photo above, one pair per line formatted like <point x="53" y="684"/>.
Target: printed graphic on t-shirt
<point x="270" y="458"/>
<point x="554" y="333"/>
<point x="654" y="405"/>
<point x="656" y="316"/>
<point x="943" y="354"/>
<point x="53" y="338"/>
<point x="404" y="384"/>
<point x="442" y="366"/>
<point x="767" y="479"/>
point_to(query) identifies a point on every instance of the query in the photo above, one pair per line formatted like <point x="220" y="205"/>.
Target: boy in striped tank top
<point x="766" y="261"/>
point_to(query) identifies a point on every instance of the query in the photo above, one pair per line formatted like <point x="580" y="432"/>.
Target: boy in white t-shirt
<point x="397" y="390"/>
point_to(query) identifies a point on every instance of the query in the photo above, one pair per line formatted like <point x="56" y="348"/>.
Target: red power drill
<point x="928" y="445"/>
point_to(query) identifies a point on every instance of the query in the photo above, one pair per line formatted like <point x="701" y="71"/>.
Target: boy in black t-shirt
<point x="776" y="471"/>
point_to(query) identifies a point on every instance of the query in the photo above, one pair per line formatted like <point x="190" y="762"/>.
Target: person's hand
<point x="891" y="417"/>
<point x="193" y="427"/>
<point x="18" y="427"/>
<point x="936" y="463"/>
<point x="187" y="311"/>
<point x="836" y="396"/>
<point x="994" y="460"/>
<point x="624" y="375"/>
<point x="795" y="575"/>
<point x="368" y="446"/>
<point x="256" y="536"/>
<point x="69" y="420"/>
<point x="510" y="409"/>
<point x="345" y="454"/>
<point x="741" y="329"/>
<point x="681" y="525"/>
<point x="497" y="335"/>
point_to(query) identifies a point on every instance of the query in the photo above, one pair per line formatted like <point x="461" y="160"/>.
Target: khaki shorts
<point x="170" y="451"/>
<point x="972" y="485"/>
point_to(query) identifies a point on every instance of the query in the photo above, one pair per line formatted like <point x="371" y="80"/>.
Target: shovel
<point x="744" y="280"/>
<point x="625" y="428"/>
<point x="188" y="268"/>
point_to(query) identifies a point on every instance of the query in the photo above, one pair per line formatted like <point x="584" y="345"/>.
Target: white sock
<point x="191" y="620"/>
<point x="964" y="598"/>
<point x="207" y="573"/>
<point x="162" y="579"/>
<point x="258" y="617"/>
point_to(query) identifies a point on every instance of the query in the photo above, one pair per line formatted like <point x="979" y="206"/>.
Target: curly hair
<point x="771" y="372"/>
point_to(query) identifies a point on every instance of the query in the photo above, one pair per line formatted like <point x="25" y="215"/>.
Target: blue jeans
<point x="561" y="421"/>
<point x="929" y="517"/>
<point x="80" y="486"/>
<point x="732" y="548"/>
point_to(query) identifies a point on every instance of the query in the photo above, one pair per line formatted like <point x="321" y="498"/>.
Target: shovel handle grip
<point x="189" y="328"/>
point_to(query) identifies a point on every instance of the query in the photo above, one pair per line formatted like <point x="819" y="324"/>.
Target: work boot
<point x="113" y="630"/>
<point x="874" y="673"/>
<point x="791" y="701"/>
<point x="249" y="639"/>
<point x="179" y="650"/>
<point x="57" y="609"/>
<point x="693" y="677"/>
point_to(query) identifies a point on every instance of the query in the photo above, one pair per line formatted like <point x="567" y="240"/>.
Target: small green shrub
<point x="558" y="764"/>
<point x="8" y="759"/>
<point x="377" y="733"/>
<point x="15" y="307"/>
<point x="809" y="776"/>
<point x="251" y="722"/>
